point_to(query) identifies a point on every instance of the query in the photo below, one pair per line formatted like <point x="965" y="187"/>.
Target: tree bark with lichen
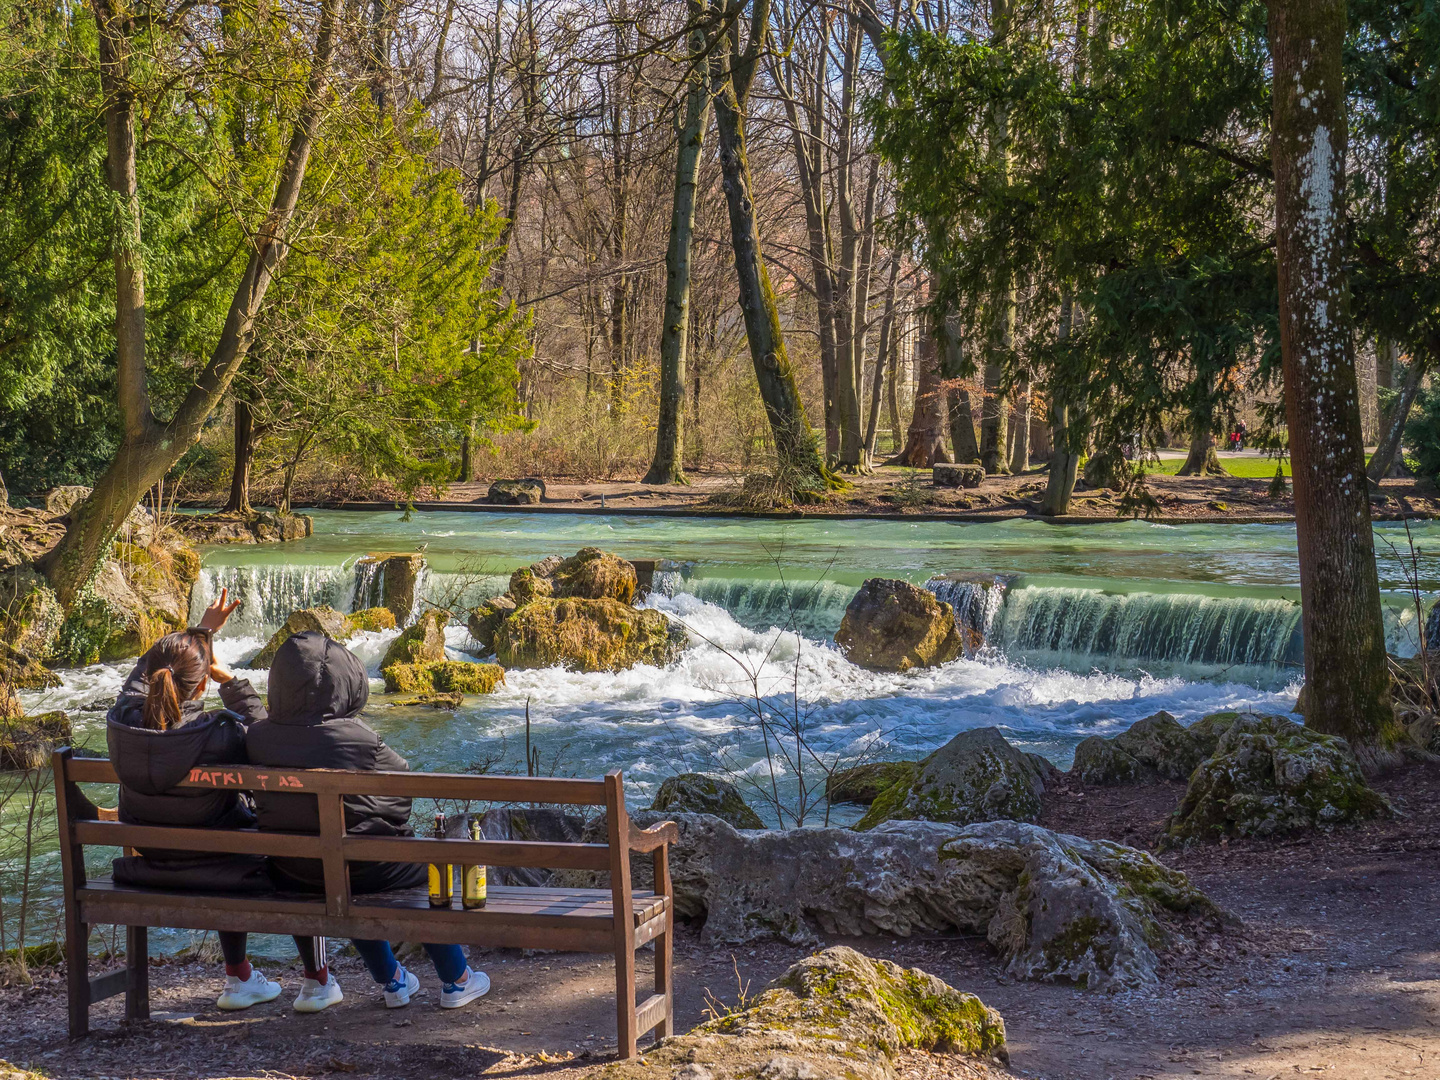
<point x="1345" y="667"/>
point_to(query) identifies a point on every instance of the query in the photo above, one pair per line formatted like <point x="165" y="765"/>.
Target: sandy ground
<point x="893" y="491"/>
<point x="1334" y="972"/>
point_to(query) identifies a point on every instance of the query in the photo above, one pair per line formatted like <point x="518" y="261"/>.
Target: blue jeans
<point x="449" y="960"/>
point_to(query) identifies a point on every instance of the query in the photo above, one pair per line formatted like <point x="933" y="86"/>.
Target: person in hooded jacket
<point x="316" y="691"/>
<point x="157" y="731"/>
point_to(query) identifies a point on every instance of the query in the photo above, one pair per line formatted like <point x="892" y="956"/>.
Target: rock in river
<point x="525" y="491"/>
<point x="586" y="635"/>
<point x="976" y="776"/>
<point x="424" y="642"/>
<point x="700" y="793"/>
<point x="592" y="574"/>
<point x="892" y="625"/>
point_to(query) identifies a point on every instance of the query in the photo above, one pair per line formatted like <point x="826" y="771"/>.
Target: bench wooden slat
<point x="234" y="842"/>
<point x="552" y="856"/>
<point x="108" y="985"/>
<point x="650" y="1012"/>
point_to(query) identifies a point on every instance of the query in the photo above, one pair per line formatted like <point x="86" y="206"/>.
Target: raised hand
<point x="218" y="612"/>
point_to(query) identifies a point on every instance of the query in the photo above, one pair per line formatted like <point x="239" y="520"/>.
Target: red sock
<point x="322" y="976"/>
<point x="241" y="970"/>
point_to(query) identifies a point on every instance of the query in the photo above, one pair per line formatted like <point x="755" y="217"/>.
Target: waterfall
<point x="1074" y="627"/>
<point x="369" y="585"/>
<point x="813" y="608"/>
<point x="977" y="600"/>
<point x="269" y="593"/>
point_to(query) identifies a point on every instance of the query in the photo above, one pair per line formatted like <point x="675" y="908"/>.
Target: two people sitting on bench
<point x="317" y="689"/>
<point x="157" y="731"/>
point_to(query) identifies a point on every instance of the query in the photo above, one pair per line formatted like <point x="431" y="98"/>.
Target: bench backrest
<point x="333" y="847"/>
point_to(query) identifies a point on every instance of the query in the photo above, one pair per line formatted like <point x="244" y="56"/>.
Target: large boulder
<point x="586" y="635"/>
<point x="525" y="586"/>
<point x="26" y="742"/>
<point x="700" y="793"/>
<point x="1057" y="907"/>
<point x="837" y="1014"/>
<point x="525" y="491"/>
<point x="442" y="676"/>
<point x="862" y="784"/>
<point x="1270" y="776"/>
<point x="486" y="619"/>
<point x="976" y="776"/>
<point x="138" y="595"/>
<point x="423" y="642"/>
<point x="326" y="620"/>
<point x="592" y="574"/>
<point x="1153" y="749"/>
<point x="30" y="612"/>
<point x="255" y="527"/>
<point x="892" y="625"/>
<point x="20" y="671"/>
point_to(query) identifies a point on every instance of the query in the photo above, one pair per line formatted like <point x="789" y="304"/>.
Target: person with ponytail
<point x="158" y="730"/>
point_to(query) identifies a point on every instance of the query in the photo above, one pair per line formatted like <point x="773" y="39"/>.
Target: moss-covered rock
<point x="1100" y="763"/>
<point x="1270" y="776"/>
<point x="454" y="676"/>
<point x="370" y="619"/>
<point x="592" y="574"/>
<point x="26" y="742"/>
<point x="486" y="619"/>
<point x="864" y="783"/>
<point x="138" y="595"/>
<point x="450" y="700"/>
<point x="700" y="793"/>
<point x="30" y="612"/>
<point x="254" y="527"/>
<point x="976" y="776"/>
<point x="526" y="586"/>
<point x="421" y="643"/>
<point x="1209" y="730"/>
<point x="835" y="1014"/>
<point x="891" y="625"/>
<point x="326" y="620"/>
<point x="586" y="635"/>
<point x="20" y="671"/>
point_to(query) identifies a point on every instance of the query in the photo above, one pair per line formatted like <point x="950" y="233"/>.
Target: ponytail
<point x="162" y="703"/>
<point x="176" y="666"/>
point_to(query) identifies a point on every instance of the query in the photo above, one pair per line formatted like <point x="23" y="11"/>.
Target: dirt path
<point x="1335" y="972"/>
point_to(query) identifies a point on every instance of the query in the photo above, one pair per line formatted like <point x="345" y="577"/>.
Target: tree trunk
<point x="882" y="355"/>
<point x="1389" y="448"/>
<point x="466" y="473"/>
<point x="244" y="457"/>
<point x="959" y="409"/>
<point x="925" y="441"/>
<point x="1065" y="455"/>
<point x="1202" y="460"/>
<point x="1020" y="441"/>
<point x="1346" y="678"/>
<point x="798" y="456"/>
<point x="147" y="448"/>
<point x="851" y="290"/>
<point x="668" y="466"/>
<point x="892" y="391"/>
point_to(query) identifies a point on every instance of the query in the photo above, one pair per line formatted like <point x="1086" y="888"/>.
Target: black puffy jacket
<point x="317" y="688"/>
<point x="150" y="763"/>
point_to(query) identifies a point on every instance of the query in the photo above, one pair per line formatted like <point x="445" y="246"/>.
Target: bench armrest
<point x="657" y="835"/>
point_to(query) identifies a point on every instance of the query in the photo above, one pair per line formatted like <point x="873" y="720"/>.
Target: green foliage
<point x="1422" y="433"/>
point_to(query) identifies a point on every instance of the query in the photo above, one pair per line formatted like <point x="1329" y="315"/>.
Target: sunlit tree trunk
<point x="955" y="373"/>
<point x="925" y="441"/>
<point x="1065" y="430"/>
<point x="1394" y="430"/>
<point x="147" y="447"/>
<point x="239" y="501"/>
<point x="1347" y="683"/>
<point x="667" y="466"/>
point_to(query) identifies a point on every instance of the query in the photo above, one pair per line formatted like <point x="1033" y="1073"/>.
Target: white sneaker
<point x="315" y="996"/>
<point x="454" y="995"/>
<point x="242" y="993"/>
<point x="401" y="985"/>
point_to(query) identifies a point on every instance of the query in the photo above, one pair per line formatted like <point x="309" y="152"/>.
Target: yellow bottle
<point x="472" y="878"/>
<point x="442" y="882"/>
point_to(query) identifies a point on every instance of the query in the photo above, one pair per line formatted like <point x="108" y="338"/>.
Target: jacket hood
<point x="153" y="762"/>
<point x="313" y="678"/>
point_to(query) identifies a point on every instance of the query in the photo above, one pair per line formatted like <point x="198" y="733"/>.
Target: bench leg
<point x="77" y="971"/>
<point x="664" y="980"/>
<point x="137" y="973"/>
<point x="626" y="1020"/>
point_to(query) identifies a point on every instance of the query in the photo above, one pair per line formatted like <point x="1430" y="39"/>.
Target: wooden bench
<point x="568" y="920"/>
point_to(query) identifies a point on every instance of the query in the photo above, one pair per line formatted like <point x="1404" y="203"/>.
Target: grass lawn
<point x="1253" y="468"/>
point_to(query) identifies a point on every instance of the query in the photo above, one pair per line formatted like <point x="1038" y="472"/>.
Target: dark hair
<point x="175" y="666"/>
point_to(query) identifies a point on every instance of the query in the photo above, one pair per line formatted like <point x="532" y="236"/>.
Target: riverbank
<point x="1321" y="979"/>
<point x="895" y="493"/>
